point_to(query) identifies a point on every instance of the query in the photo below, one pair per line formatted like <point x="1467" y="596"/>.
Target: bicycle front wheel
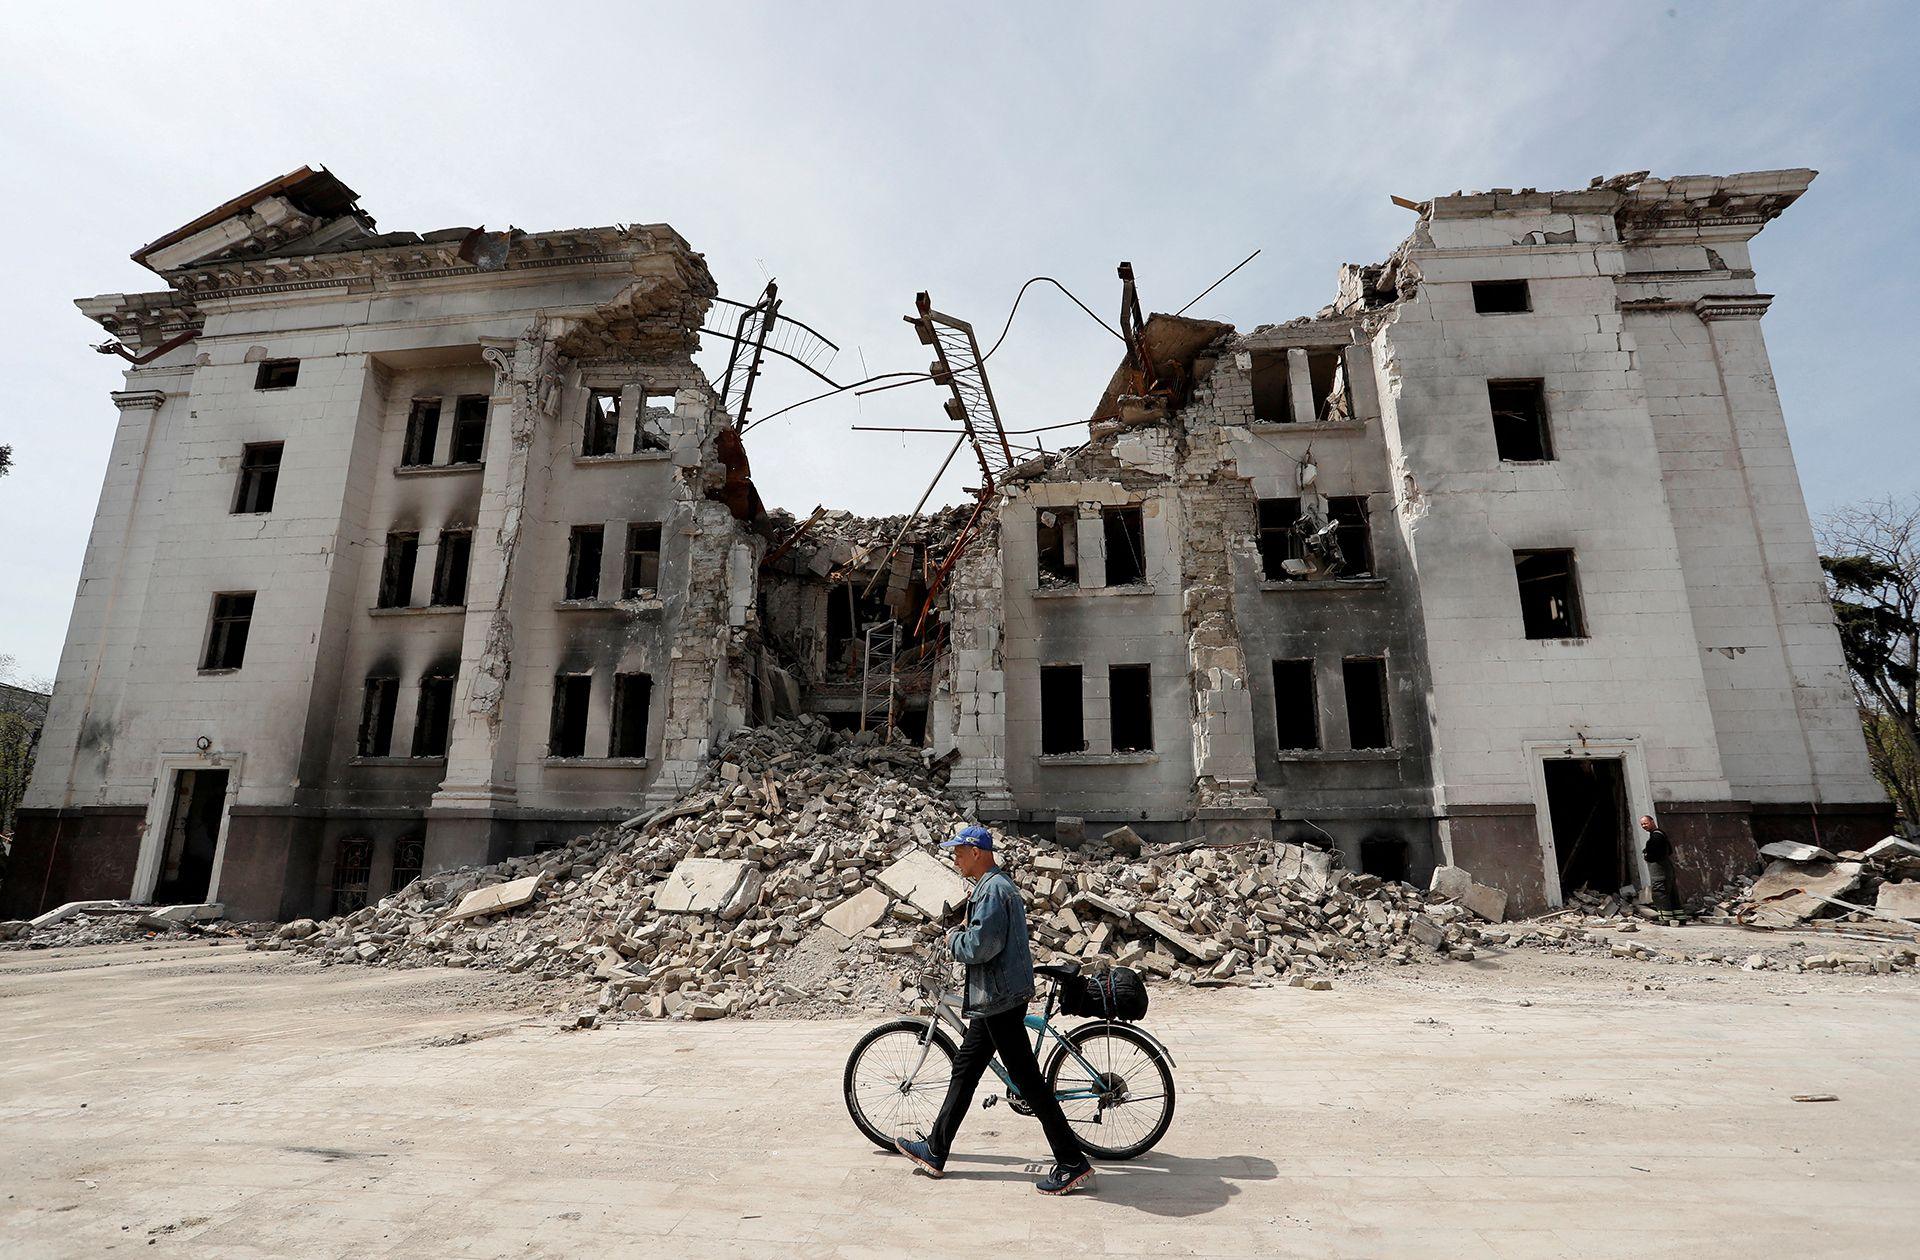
<point x="893" y="1089"/>
<point x="1115" y="1087"/>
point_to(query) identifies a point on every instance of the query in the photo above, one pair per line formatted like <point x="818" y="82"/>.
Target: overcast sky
<point x="859" y="153"/>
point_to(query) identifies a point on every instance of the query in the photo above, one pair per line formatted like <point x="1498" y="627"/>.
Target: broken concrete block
<point x="496" y="898"/>
<point x="1450" y="881"/>
<point x="1192" y="947"/>
<point x="1488" y="902"/>
<point x="857" y="913"/>
<point x="1790" y="882"/>
<point x="1426" y="931"/>
<point x="1124" y="840"/>
<point x="924" y="880"/>
<point x="1070" y="830"/>
<point x="298" y="930"/>
<point x="1309" y="867"/>
<point x="710" y="886"/>
<point x="1794" y="851"/>
<point x="1900" y="899"/>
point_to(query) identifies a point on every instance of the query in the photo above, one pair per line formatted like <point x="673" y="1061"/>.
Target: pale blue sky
<point x="862" y="152"/>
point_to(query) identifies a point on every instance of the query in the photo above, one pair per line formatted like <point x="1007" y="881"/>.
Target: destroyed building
<point x="417" y="551"/>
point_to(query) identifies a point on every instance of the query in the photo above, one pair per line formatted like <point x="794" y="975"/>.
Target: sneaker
<point x="921" y="1153"/>
<point x="1064" y="1180"/>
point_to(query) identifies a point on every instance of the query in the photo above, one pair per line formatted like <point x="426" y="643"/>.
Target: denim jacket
<point x="994" y="947"/>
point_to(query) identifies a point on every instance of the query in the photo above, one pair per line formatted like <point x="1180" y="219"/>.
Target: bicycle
<point x="1114" y="1080"/>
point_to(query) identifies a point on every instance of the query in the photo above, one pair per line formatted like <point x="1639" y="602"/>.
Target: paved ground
<point x="213" y="1103"/>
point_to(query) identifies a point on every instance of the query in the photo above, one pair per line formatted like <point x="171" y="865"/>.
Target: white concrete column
<point x="1300" y="387"/>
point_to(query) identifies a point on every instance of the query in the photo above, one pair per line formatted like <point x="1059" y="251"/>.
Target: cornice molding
<point x="138" y="399"/>
<point x="1733" y="306"/>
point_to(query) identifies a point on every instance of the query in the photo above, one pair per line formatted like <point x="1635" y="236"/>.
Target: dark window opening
<point x="396" y="571"/>
<point x="259" y="477"/>
<point x="1501" y="297"/>
<point x="193" y="837"/>
<point x="632" y="694"/>
<point x="1057" y="535"/>
<point x="1061" y="727"/>
<point x="434" y="716"/>
<point x="1272" y="388"/>
<point x="583" y="562"/>
<point x="423" y="431"/>
<point x="1520" y="420"/>
<point x="376" y="717"/>
<point x="655" y="427"/>
<point x="1327" y="376"/>
<point x="1587" y="808"/>
<point x="469" y="430"/>
<point x="1549" y="595"/>
<point x="227" y="636"/>
<point x="603" y="422"/>
<point x="1280" y="539"/>
<point x="450" y="568"/>
<point x="567" y="735"/>
<point x="409" y="860"/>
<point x="1385" y="857"/>
<point x="1130" y="707"/>
<point x="1126" y="545"/>
<point x="352" y="867"/>
<point x="1368" y="725"/>
<point x="1349" y="514"/>
<point x="643" y="561"/>
<point x="1296" y="708"/>
<point x="276" y="374"/>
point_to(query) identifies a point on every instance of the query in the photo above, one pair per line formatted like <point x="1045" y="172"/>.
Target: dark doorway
<point x="1587" y="806"/>
<point x="1385" y="856"/>
<point x="193" y="832"/>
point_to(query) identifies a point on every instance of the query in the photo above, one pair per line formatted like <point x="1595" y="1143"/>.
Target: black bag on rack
<point x="1116" y="994"/>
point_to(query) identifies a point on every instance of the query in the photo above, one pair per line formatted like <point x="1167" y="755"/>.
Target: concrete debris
<point x="710" y="886"/>
<point x="929" y="884"/>
<point x="1794" y="851"/>
<point x="501" y="897"/>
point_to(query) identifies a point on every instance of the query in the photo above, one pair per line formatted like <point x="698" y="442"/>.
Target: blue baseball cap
<point x="977" y="836"/>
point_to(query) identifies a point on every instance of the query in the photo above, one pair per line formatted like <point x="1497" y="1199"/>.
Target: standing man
<point x="999" y="962"/>
<point x="1659" y="855"/>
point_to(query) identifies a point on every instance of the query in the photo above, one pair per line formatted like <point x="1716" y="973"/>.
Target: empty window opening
<point x="409" y="860"/>
<point x="567" y="734"/>
<point x="1280" y="539"/>
<point x="1501" y="297"/>
<point x="450" y="568"/>
<point x="259" y="477"/>
<point x="1296" y="707"/>
<point x="1587" y="810"/>
<point x="434" y="716"/>
<point x="227" y="633"/>
<point x="1520" y="420"/>
<point x="1385" y="857"/>
<point x="469" y="430"/>
<point x="643" y="561"/>
<point x="193" y="837"/>
<point x="1355" y="541"/>
<point x="1126" y="545"/>
<point x="1368" y="724"/>
<point x="1549" y="595"/>
<point x="602" y="434"/>
<point x="583" y="562"/>
<point x="1057" y="536"/>
<point x="1272" y="388"/>
<point x="352" y="867"/>
<point x="1130" y="707"/>
<point x="632" y="694"/>
<point x="423" y="431"/>
<point x="276" y="374"/>
<point x="1327" y="376"/>
<point x="655" y="426"/>
<point x="1061" y="727"/>
<point x="396" y="571"/>
<point x="377" y="708"/>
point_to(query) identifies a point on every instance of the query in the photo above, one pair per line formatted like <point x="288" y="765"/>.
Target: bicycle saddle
<point x="1059" y="971"/>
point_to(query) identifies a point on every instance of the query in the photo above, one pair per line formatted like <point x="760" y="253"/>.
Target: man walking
<point x="993" y="945"/>
<point x="1659" y="855"/>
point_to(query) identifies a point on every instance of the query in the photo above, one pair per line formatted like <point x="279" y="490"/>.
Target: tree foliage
<point x="1871" y="554"/>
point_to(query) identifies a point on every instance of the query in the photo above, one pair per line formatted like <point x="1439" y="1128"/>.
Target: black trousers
<point x="1005" y="1034"/>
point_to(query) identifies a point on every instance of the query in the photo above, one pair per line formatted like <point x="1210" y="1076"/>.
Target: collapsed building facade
<point x="416" y="551"/>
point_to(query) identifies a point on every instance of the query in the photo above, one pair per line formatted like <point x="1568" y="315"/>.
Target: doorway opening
<point x="1587" y="808"/>
<point x="193" y="835"/>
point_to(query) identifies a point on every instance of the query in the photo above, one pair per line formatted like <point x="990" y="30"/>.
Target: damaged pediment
<point x="299" y="209"/>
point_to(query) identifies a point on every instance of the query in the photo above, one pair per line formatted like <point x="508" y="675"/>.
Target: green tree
<point x="1871" y="554"/>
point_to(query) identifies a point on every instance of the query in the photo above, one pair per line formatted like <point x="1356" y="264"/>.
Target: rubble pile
<point x="801" y="876"/>
<point x="1803" y="882"/>
<point x="118" y="923"/>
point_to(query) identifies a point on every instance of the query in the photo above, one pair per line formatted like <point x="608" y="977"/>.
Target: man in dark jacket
<point x="993" y="945"/>
<point x="1659" y="855"/>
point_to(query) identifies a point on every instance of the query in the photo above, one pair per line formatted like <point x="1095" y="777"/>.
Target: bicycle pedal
<point x="989" y="1101"/>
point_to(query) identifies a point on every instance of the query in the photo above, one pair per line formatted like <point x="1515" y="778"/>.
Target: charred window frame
<point x="1124" y="531"/>
<point x="352" y="868"/>
<point x="1296" y="705"/>
<point x="1354" y="536"/>
<point x="1369" y="722"/>
<point x="602" y="431"/>
<point x="567" y="731"/>
<point x="379" y="703"/>
<point x="1062" y="719"/>
<point x="259" y="477"/>
<point x="396" y="570"/>
<point x="1130" y="707"/>
<point x="409" y="859"/>
<point x="469" y="444"/>
<point x="450" y="568"/>
<point x="434" y="715"/>
<point x="1272" y="383"/>
<point x="227" y="630"/>
<point x="277" y="374"/>
<point x="1550" y="606"/>
<point x="1501" y="297"/>
<point x="653" y="430"/>
<point x="1057" y="546"/>
<point x="1520" y="430"/>
<point x="584" y="546"/>
<point x="632" y="697"/>
<point x="642" y="569"/>
<point x="423" y="433"/>
<point x="1280" y="539"/>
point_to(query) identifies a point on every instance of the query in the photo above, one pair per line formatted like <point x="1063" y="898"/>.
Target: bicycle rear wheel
<point x="1125" y="1103"/>
<point x="886" y="1096"/>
